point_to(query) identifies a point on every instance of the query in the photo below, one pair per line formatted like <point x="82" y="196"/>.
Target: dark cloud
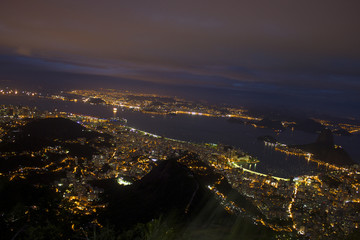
<point x="194" y="31"/>
<point x="249" y="45"/>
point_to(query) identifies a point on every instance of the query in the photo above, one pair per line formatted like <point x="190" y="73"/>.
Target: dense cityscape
<point x="163" y="105"/>
<point x="323" y="206"/>
<point x="179" y="120"/>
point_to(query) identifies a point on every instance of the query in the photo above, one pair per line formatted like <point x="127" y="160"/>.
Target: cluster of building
<point x="129" y="153"/>
<point x="327" y="205"/>
<point x="317" y="207"/>
<point x="284" y="148"/>
<point x="335" y="126"/>
<point x="13" y="92"/>
<point x="154" y="104"/>
<point x="164" y="105"/>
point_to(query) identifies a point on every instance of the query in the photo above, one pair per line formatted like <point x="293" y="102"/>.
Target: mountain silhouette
<point x="54" y="128"/>
<point x="324" y="149"/>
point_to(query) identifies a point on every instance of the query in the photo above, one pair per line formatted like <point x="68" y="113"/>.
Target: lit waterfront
<point x="205" y="129"/>
<point x="129" y="152"/>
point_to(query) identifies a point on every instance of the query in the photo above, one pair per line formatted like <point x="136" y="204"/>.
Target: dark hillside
<point x="171" y="189"/>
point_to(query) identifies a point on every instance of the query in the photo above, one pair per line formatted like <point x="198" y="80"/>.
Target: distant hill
<point x="325" y="150"/>
<point x="40" y="133"/>
<point x="54" y="128"/>
<point x="271" y="124"/>
<point x="96" y="101"/>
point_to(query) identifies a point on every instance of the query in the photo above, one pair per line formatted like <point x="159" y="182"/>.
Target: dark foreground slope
<point x="173" y="194"/>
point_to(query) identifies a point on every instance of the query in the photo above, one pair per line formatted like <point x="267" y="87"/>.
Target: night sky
<point x="283" y="53"/>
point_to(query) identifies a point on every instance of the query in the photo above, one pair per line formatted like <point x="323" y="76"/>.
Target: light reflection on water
<point x="204" y="129"/>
